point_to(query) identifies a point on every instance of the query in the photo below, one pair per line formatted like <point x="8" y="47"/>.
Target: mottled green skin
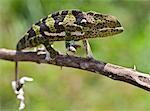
<point x="69" y="25"/>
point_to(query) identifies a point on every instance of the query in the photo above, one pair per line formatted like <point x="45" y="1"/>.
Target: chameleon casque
<point x="68" y="26"/>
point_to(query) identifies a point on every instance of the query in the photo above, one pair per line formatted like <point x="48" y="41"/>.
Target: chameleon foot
<point x="47" y="57"/>
<point x="50" y="52"/>
<point x="41" y="50"/>
<point x="73" y="48"/>
<point x="51" y="56"/>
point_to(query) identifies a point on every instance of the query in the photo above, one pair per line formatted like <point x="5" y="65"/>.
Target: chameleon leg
<point x="52" y="53"/>
<point x="87" y="48"/>
<point x="41" y="49"/>
<point x="71" y="46"/>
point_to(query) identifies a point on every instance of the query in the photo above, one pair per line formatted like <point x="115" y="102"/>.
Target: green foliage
<point x="71" y="89"/>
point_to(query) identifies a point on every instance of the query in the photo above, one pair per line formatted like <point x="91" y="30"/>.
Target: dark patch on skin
<point x="43" y="20"/>
<point x="90" y="13"/>
<point x="99" y="26"/>
<point x="79" y="29"/>
<point x="76" y="12"/>
<point x="31" y="33"/>
<point x="18" y="46"/>
<point x="30" y="42"/>
<point x="55" y="14"/>
<point x="37" y="40"/>
<point x="59" y="28"/>
<point x="58" y="19"/>
<point x="65" y="12"/>
<point x="44" y="28"/>
<point x="105" y="25"/>
<point x="79" y="18"/>
<point x="21" y="44"/>
<point x="38" y="23"/>
<point x="55" y="38"/>
<point x="23" y="40"/>
<point x="98" y="16"/>
<point x="111" y="24"/>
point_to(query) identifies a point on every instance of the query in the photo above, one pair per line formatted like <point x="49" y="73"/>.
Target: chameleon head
<point x="103" y="25"/>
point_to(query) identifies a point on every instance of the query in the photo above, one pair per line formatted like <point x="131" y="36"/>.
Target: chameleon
<point x="68" y="26"/>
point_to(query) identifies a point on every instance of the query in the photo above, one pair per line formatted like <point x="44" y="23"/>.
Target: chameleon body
<point x="69" y="26"/>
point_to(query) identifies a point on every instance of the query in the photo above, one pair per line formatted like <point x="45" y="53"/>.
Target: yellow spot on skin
<point x="69" y="19"/>
<point x="36" y="28"/>
<point x="50" y="23"/>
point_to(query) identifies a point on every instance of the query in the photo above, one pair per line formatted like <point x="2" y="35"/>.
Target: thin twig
<point x="112" y="71"/>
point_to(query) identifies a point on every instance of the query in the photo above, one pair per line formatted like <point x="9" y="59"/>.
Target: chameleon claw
<point x="72" y="49"/>
<point x="47" y="58"/>
<point x="51" y="56"/>
<point x="41" y="50"/>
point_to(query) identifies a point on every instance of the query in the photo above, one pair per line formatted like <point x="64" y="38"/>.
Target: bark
<point x="112" y="71"/>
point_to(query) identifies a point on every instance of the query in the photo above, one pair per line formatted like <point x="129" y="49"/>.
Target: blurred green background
<point x="71" y="89"/>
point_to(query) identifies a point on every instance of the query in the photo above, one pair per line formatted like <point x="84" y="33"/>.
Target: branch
<point x="112" y="71"/>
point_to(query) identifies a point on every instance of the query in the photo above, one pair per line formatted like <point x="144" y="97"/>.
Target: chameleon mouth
<point x="120" y="29"/>
<point x="117" y="30"/>
<point x="111" y="31"/>
<point x="104" y="32"/>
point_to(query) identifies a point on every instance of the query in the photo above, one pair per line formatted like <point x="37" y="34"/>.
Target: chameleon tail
<point x="16" y="71"/>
